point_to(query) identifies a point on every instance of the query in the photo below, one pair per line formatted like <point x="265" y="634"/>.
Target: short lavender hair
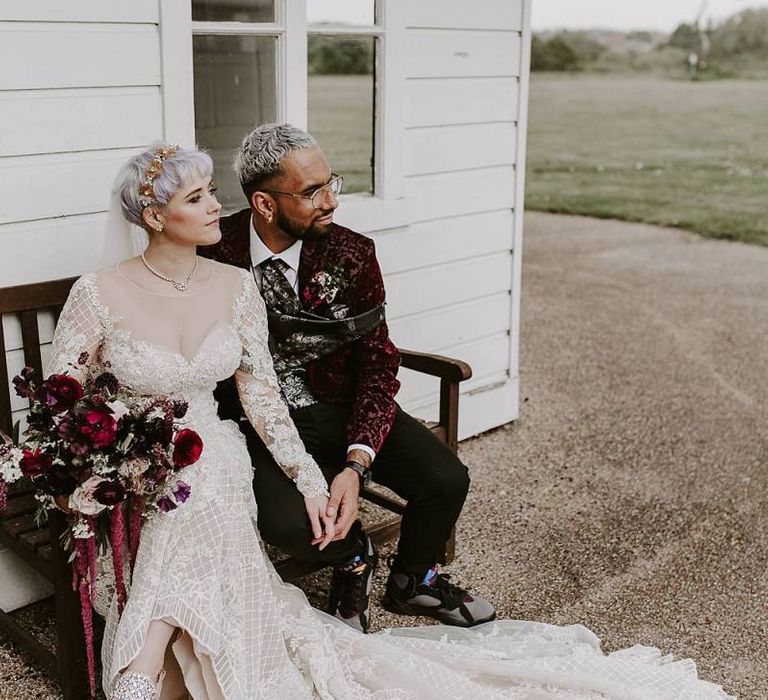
<point x="177" y="169"/>
<point x="262" y="151"/>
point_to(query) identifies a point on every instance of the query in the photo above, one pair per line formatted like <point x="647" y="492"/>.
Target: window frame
<point x="364" y="212"/>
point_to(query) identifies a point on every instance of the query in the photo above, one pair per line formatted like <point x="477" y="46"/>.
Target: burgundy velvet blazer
<point x="364" y="372"/>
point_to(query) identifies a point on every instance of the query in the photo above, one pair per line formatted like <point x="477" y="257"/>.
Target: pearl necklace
<point x="180" y="286"/>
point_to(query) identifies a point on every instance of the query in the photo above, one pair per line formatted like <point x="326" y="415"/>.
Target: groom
<point x="337" y="369"/>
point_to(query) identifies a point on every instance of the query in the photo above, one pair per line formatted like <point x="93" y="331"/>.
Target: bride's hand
<point x="322" y="524"/>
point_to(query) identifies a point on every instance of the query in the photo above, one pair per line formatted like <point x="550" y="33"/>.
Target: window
<point x="258" y="61"/>
<point x="342" y="46"/>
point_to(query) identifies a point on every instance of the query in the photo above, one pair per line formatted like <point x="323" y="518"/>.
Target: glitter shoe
<point x="134" y="685"/>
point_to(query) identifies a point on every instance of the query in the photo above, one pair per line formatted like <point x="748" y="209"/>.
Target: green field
<point x="676" y="153"/>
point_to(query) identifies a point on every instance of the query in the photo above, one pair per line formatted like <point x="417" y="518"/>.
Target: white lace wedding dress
<point x="247" y="634"/>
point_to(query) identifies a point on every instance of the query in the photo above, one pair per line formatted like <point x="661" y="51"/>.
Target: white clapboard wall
<point x="453" y="273"/>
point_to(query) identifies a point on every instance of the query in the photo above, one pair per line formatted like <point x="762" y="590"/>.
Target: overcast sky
<point x="663" y="15"/>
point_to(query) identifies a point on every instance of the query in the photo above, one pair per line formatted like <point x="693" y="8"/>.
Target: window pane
<point x="233" y="10"/>
<point x="354" y="12"/>
<point x="341" y="105"/>
<point x="234" y="89"/>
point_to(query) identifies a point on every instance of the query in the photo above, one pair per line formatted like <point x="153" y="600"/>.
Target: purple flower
<point x="181" y="491"/>
<point x="166" y="504"/>
<point x="23" y="384"/>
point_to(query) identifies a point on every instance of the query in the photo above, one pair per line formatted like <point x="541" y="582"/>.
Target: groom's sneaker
<point x="350" y="596"/>
<point x="435" y="596"/>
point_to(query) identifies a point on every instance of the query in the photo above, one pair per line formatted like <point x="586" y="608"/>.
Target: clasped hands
<point x="331" y="518"/>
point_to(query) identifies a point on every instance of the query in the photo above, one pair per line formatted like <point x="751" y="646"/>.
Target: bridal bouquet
<point x="108" y="458"/>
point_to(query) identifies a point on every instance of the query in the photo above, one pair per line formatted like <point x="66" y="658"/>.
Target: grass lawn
<point x="676" y="153"/>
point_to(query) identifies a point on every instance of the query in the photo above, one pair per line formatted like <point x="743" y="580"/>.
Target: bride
<point x="207" y="617"/>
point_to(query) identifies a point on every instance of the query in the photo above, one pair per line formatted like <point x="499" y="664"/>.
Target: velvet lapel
<point x="235" y="231"/>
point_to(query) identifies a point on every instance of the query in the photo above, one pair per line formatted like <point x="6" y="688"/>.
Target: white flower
<point x="82" y="499"/>
<point x="118" y="408"/>
<point x="100" y="464"/>
<point x="10" y="470"/>
<point x="80" y="530"/>
<point x="133" y="467"/>
<point x="156" y="412"/>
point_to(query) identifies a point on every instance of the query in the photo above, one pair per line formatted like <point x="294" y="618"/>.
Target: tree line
<point x="736" y="47"/>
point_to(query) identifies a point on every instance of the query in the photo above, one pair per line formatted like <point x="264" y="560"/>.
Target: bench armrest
<point x="436" y="365"/>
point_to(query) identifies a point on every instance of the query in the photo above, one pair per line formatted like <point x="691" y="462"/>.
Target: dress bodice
<point x="135" y="343"/>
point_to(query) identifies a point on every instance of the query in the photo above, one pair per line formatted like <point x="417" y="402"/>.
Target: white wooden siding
<point x="78" y="55"/>
<point x="441" y="101"/>
<point x="488" y="14"/>
<point x="451" y="274"/>
<point x="86" y="119"/>
<point x="80" y="11"/>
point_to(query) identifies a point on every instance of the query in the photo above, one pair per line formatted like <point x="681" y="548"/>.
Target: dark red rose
<point x="99" y="427"/>
<point x="108" y="382"/>
<point x="35" y="463"/>
<point x="187" y="448"/>
<point x="109" y="493"/>
<point x="61" y="392"/>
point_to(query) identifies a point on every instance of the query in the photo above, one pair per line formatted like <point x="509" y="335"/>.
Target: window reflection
<point x="233" y="10"/>
<point x="341" y="105"/>
<point x="234" y="90"/>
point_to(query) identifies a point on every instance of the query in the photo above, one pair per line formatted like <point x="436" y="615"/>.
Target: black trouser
<point x="412" y="462"/>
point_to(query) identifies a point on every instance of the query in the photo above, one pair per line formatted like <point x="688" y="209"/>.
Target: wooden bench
<point x="39" y="547"/>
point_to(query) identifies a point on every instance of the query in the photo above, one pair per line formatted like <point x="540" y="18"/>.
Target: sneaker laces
<point x="452" y="596"/>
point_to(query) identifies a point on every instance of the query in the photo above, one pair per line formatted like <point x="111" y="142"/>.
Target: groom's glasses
<point x="317" y="196"/>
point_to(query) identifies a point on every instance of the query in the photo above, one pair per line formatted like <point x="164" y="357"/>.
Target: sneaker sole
<point x="400" y="608"/>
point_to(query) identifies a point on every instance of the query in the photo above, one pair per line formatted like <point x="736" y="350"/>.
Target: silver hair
<point x="262" y="151"/>
<point x="177" y="169"/>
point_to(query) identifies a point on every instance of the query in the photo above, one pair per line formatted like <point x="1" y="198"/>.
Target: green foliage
<point x="328" y="55"/>
<point x="565" y="51"/>
<point x="685" y="36"/>
<point x="669" y="152"/>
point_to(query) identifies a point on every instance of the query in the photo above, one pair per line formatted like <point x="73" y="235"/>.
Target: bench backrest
<point x="25" y="302"/>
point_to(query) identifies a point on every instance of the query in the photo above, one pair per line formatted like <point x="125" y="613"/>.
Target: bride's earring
<point x="134" y="685"/>
<point x="159" y="228"/>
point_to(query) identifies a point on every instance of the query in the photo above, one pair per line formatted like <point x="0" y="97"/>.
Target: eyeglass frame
<point x="311" y="195"/>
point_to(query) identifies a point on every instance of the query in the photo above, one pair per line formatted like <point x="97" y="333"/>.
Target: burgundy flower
<point x="181" y="491"/>
<point x="166" y="504"/>
<point x="79" y="448"/>
<point x="83" y="358"/>
<point x="99" y="426"/>
<point x="187" y="448"/>
<point x="61" y="392"/>
<point x="109" y="493"/>
<point x="35" y="463"/>
<point x="180" y="409"/>
<point x="108" y="382"/>
<point x="67" y="429"/>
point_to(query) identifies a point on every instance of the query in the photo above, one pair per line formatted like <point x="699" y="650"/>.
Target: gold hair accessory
<point x="152" y="171"/>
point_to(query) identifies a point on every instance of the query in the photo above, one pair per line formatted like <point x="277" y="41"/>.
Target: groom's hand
<point x="343" y="504"/>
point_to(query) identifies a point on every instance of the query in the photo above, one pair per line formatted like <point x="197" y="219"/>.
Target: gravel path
<point x="631" y="494"/>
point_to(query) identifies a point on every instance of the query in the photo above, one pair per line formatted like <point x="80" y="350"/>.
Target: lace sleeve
<point x="260" y="395"/>
<point x="79" y="329"/>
